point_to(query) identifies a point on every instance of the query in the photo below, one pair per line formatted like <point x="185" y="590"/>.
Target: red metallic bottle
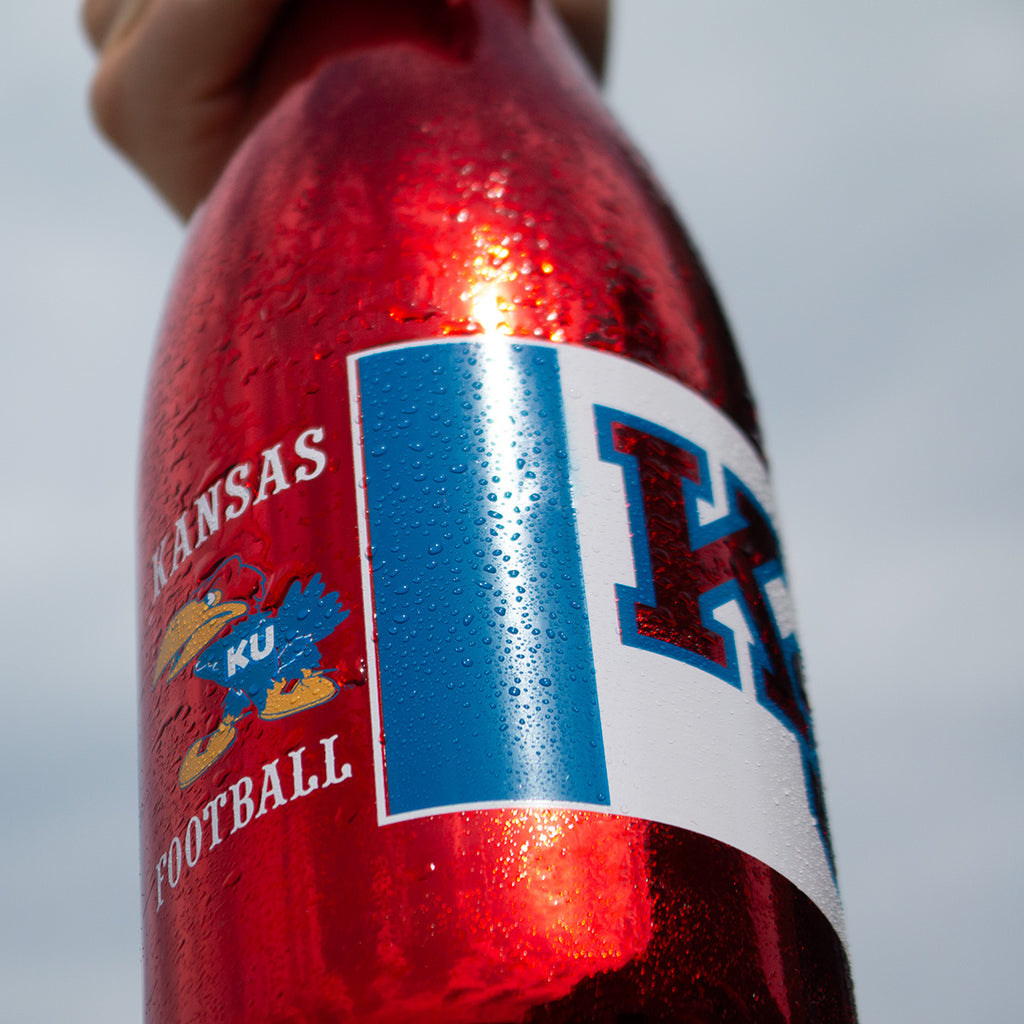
<point x="470" y="690"/>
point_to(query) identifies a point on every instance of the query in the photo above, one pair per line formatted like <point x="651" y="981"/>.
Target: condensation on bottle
<point x="470" y="687"/>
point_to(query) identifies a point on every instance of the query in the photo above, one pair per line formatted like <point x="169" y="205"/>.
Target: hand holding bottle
<point x="173" y="86"/>
<point x="176" y="80"/>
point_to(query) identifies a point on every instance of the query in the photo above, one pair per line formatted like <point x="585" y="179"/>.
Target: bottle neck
<point x="310" y="32"/>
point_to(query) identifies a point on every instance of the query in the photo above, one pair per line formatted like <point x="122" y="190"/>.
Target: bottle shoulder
<point x="395" y="186"/>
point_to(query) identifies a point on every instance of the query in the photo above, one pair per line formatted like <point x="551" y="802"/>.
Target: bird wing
<point x="305" y="617"/>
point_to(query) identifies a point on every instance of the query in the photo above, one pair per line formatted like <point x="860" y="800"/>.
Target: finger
<point x="178" y="47"/>
<point x="97" y="18"/>
<point x="171" y="86"/>
<point x="587" y="21"/>
<point x="128" y="13"/>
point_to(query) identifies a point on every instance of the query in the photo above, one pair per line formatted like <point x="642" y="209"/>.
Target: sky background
<point x="854" y="176"/>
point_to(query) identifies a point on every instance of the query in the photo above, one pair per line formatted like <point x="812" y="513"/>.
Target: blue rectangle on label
<point x="486" y="673"/>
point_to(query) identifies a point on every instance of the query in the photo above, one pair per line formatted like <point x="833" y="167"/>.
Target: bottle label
<point x="574" y="596"/>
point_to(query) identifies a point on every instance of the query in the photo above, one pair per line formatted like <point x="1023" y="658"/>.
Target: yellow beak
<point x="190" y="631"/>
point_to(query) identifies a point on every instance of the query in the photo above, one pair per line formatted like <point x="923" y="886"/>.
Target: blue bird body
<point x="265" y="648"/>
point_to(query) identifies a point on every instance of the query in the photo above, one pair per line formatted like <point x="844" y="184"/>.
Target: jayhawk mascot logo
<point x="268" y="662"/>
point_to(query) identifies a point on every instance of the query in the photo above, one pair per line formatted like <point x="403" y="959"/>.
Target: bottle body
<point x="379" y="775"/>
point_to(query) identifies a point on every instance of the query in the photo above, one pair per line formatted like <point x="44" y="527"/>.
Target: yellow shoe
<point x="205" y="753"/>
<point x="287" y="696"/>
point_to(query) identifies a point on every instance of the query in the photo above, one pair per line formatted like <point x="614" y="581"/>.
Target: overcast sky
<point x="854" y="175"/>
